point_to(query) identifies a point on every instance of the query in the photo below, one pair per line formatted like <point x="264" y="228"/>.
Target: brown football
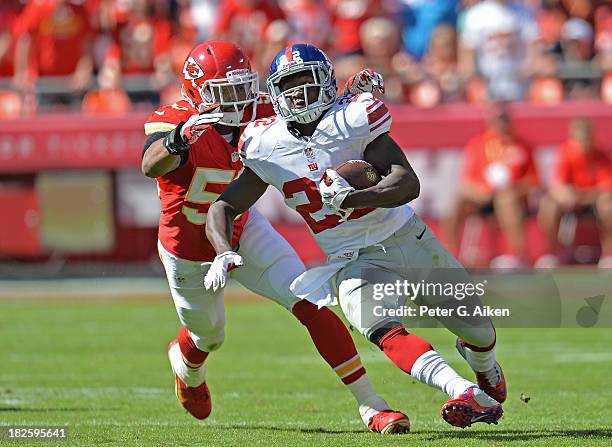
<point x="359" y="173"/>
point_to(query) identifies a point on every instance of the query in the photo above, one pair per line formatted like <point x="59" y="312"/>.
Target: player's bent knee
<point x="479" y="339"/>
<point x="209" y="342"/>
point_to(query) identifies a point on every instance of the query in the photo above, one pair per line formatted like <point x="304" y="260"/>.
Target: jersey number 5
<point x="315" y="204"/>
<point x="198" y="199"/>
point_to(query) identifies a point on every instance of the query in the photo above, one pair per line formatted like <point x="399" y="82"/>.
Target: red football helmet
<point x="219" y="73"/>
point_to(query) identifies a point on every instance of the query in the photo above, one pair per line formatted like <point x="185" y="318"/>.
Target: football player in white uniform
<point x="191" y="151"/>
<point x="371" y="236"/>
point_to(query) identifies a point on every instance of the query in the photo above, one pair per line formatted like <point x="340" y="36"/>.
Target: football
<point x="358" y="173"/>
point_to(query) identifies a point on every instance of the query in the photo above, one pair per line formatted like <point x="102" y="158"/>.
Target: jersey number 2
<point x="315" y="204"/>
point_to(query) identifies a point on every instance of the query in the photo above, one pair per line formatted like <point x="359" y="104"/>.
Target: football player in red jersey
<point x="192" y="152"/>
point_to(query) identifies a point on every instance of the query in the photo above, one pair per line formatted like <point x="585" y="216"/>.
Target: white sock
<point x="369" y="402"/>
<point x="192" y="377"/>
<point x="480" y="361"/>
<point x="433" y="370"/>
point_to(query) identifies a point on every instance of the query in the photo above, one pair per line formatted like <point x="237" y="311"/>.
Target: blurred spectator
<point x="54" y="38"/>
<point x="309" y="21"/>
<point x="547" y="50"/>
<point x="495" y="41"/>
<point x="347" y="18"/>
<point x="438" y="68"/>
<point x="420" y="18"/>
<point x="141" y="41"/>
<point x="582" y="181"/>
<point x="381" y="41"/>
<point x="184" y="37"/>
<point x="550" y="18"/>
<point x="245" y="22"/>
<point x="582" y="9"/>
<point x="277" y="37"/>
<point x="204" y="16"/>
<point x="575" y="52"/>
<point x="110" y="98"/>
<point x="603" y="36"/>
<point x="9" y="11"/>
<point x="497" y="171"/>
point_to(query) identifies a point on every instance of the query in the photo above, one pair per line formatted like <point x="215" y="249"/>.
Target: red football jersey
<point x="187" y="193"/>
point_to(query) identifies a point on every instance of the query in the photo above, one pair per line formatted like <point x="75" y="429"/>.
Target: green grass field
<point x="100" y="368"/>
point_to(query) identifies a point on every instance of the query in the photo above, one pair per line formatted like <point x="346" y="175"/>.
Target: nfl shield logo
<point x="309" y="154"/>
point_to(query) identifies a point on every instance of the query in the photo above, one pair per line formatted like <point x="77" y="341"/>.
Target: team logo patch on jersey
<point x="192" y="70"/>
<point x="312" y="167"/>
<point x="235" y="157"/>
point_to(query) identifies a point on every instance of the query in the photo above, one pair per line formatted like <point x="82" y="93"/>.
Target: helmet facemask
<point x="234" y="94"/>
<point x="323" y="79"/>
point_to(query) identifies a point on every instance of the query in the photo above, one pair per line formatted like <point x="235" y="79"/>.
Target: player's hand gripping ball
<point x="345" y="178"/>
<point x="358" y="173"/>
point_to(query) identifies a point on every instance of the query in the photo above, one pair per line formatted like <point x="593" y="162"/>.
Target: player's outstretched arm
<point x="239" y="196"/>
<point x="399" y="184"/>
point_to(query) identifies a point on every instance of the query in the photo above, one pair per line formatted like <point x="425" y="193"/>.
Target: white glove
<point x="334" y="189"/>
<point x="365" y="81"/>
<point x="216" y="276"/>
<point x="196" y="125"/>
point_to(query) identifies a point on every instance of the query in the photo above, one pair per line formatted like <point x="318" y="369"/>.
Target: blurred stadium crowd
<point x="112" y="57"/>
<point x="109" y="56"/>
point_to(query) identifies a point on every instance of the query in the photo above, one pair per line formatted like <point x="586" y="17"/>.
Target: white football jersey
<point x="294" y="165"/>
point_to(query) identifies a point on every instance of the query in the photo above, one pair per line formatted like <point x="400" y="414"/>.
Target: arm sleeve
<point x="158" y="136"/>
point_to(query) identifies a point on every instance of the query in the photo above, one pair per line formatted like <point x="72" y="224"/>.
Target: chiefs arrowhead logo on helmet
<point x="192" y="69"/>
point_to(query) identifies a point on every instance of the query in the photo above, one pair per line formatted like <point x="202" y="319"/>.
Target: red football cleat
<point x="491" y="382"/>
<point x="471" y="407"/>
<point x="196" y="400"/>
<point x="389" y="422"/>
